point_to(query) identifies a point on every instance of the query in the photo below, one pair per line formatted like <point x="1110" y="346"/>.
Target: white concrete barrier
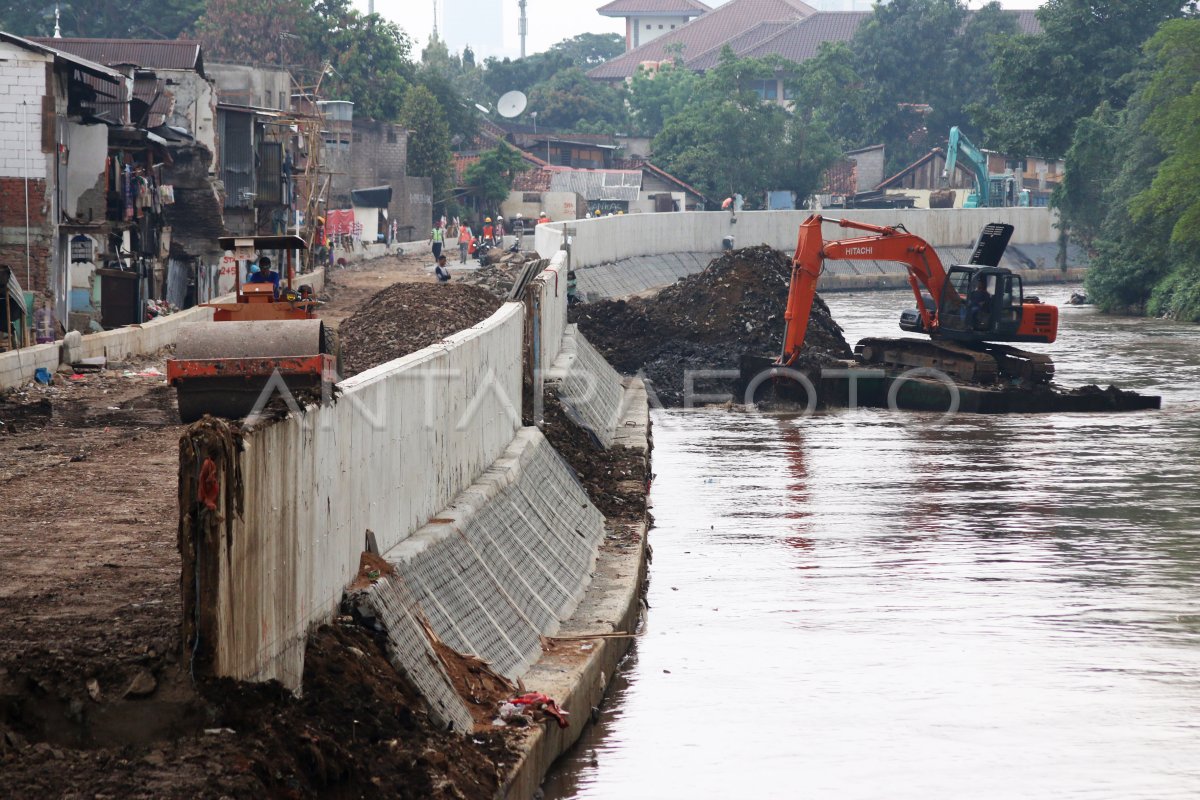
<point x="402" y="440"/>
<point x="606" y="239"/>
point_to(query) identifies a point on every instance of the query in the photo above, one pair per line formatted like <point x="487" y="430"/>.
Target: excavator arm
<point x="925" y="271"/>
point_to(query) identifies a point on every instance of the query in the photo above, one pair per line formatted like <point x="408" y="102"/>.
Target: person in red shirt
<point x="487" y="230"/>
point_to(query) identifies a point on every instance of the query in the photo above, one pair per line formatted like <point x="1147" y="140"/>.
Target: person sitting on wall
<point x="263" y="273"/>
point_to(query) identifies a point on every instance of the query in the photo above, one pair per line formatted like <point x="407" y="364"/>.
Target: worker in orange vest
<point x="487" y="230"/>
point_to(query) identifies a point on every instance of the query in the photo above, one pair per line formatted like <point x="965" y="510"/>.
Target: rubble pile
<point x="499" y="276"/>
<point x="708" y="321"/>
<point x="357" y="731"/>
<point x="406" y="317"/>
<point x="615" y="479"/>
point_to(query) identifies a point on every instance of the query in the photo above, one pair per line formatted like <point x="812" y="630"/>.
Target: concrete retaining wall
<point x="588" y="386"/>
<point x="606" y="239"/>
<point x="402" y="440"/>
<point x="505" y="563"/>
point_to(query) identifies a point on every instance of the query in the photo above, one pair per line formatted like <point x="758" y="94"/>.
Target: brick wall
<point x="379" y="157"/>
<point x="12" y="202"/>
<point x="22" y="81"/>
<point x="12" y="254"/>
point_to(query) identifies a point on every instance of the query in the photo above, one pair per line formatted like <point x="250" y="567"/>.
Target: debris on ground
<point x="353" y="733"/>
<point x="499" y="277"/>
<point x="708" y="321"/>
<point x="406" y="317"/>
<point x="614" y="479"/>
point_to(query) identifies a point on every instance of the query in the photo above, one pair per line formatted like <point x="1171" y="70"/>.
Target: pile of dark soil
<point x="708" y="321"/>
<point x="406" y="317"/>
<point x="352" y="734"/>
<point x="615" y="479"/>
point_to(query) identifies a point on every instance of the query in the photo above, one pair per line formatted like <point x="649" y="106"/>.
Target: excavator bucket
<point x="230" y="369"/>
<point x="993" y="241"/>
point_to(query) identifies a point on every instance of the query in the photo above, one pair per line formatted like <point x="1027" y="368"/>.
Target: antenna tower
<point x="522" y="26"/>
<point x="435" y="29"/>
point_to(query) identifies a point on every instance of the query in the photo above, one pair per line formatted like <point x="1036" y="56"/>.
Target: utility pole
<point x="522" y="26"/>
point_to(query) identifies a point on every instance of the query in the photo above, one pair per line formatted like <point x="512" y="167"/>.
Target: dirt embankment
<point x="616" y="479"/>
<point x="708" y="321"/>
<point x="406" y="317"/>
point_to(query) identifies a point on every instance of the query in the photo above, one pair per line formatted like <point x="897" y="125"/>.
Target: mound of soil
<point x="352" y="734"/>
<point x="615" y="479"/>
<point x="708" y="321"/>
<point x="406" y="317"/>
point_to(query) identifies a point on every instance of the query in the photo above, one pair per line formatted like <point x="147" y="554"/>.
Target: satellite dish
<point x="484" y="109"/>
<point x="511" y="104"/>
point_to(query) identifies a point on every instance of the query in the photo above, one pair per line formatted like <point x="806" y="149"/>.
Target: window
<point x="660" y="26"/>
<point x="672" y="27"/>
<point x="531" y="197"/>
<point x="268" y="103"/>
<point x="765" y="89"/>
<point x="391" y="137"/>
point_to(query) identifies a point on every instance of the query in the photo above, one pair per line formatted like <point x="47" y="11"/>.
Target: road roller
<point x="256" y="347"/>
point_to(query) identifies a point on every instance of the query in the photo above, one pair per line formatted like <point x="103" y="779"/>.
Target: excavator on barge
<point x="967" y="312"/>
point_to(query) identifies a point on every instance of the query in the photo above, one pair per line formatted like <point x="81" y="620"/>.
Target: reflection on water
<point x="863" y="604"/>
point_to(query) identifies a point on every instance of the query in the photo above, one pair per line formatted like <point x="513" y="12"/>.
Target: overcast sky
<point x="550" y="21"/>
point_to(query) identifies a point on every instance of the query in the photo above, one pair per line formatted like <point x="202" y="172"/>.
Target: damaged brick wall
<point x="12" y="231"/>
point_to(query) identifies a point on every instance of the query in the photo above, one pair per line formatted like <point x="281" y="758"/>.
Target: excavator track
<point x="990" y="364"/>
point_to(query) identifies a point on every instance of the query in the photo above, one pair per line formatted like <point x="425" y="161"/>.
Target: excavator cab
<point x="980" y="304"/>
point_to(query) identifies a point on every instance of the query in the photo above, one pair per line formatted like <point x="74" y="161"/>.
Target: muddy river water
<point x="863" y="604"/>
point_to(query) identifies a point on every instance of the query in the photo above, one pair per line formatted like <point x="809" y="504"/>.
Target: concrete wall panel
<point x="402" y="440"/>
<point x="606" y="239"/>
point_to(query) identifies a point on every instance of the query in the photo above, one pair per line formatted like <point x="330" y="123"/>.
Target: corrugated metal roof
<point x="657" y="8"/>
<point x="182" y="54"/>
<point x="82" y="64"/>
<point x="1027" y="21"/>
<point x="598" y="184"/>
<point x="704" y="33"/>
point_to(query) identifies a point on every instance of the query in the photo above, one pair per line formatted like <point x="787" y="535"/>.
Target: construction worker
<point x="499" y="229"/>
<point x="464" y="241"/>
<point x="437" y="237"/>
<point x="488" y="230"/>
<point x="519" y="229"/>
<point x="543" y="217"/>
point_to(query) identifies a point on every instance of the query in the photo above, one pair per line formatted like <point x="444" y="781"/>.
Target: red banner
<point x="339" y="223"/>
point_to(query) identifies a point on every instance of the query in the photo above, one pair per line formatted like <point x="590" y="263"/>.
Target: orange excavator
<point x="258" y="344"/>
<point x="965" y="312"/>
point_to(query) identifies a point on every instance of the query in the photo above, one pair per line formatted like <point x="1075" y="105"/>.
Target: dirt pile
<point x="406" y="317"/>
<point x="352" y="734"/>
<point x="615" y="479"/>
<point x="708" y="321"/>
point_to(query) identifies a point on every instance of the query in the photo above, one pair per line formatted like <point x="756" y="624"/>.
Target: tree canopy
<point x="491" y="177"/>
<point x="429" y="142"/>
<point x="101" y="19"/>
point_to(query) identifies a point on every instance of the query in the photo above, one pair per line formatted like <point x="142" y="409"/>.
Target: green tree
<point x="655" y="97"/>
<point x="101" y="19"/>
<point x="1174" y="95"/>
<point x="490" y="179"/>
<point x="370" y="57"/>
<point x="1090" y="168"/>
<point x="429" y="143"/>
<point x="1049" y="81"/>
<point x="569" y="100"/>
<point x="913" y="91"/>
<point x="730" y="140"/>
<point x="256" y="32"/>
<point x="588" y="50"/>
<point x="828" y="90"/>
